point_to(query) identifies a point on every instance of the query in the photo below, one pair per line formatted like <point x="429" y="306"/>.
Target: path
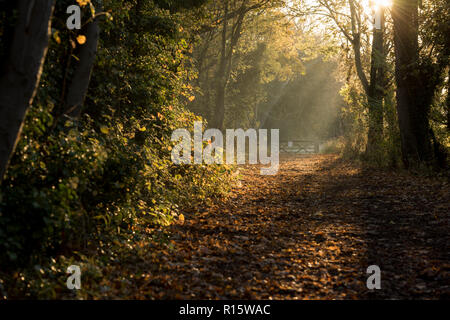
<point x="310" y="233"/>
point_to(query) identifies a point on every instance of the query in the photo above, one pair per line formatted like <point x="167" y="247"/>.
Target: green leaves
<point x="107" y="175"/>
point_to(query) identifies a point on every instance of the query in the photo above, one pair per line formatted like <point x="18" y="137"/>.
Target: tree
<point x="229" y="40"/>
<point x="22" y="71"/>
<point x="447" y="101"/>
<point x="243" y="41"/>
<point x="78" y="88"/>
<point x="350" y="21"/>
<point x="376" y="89"/>
<point x="417" y="77"/>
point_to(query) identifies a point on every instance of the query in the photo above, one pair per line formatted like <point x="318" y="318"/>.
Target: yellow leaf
<point x="192" y="98"/>
<point x="82" y="3"/>
<point x="92" y="10"/>
<point x="56" y="37"/>
<point x="81" y="39"/>
<point x="104" y="129"/>
<point x="181" y="218"/>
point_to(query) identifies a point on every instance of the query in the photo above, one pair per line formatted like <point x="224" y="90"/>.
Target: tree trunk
<point x="375" y="94"/>
<point x="219" y="115"/>
<point x="448" y="101"/>
<point x="7" y="24"/>
<point x="412" y="94"/>
<point x="226" y="60"/>
<point x="23" y="70"/>
<point x="78" y="88"/>
<point x="374" y="87"/>
<point x="356" y="43"/>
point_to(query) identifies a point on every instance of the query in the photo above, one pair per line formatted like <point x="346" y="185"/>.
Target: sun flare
<point x="381" y="3"/>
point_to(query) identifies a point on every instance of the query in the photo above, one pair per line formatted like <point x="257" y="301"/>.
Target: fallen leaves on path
<point x="309" y="232"/>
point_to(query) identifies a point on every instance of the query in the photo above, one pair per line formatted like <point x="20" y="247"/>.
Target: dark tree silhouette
<point x="22" y="71"/>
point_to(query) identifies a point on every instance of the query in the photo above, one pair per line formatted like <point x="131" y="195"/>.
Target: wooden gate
<point x="300" y="146"/>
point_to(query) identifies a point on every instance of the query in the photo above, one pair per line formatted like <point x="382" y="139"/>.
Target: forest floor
<point x="309" y="232"/>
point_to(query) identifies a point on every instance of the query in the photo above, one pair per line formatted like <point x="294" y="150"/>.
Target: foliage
<point x="74" y="180"/>
<point x="100" y="189"/>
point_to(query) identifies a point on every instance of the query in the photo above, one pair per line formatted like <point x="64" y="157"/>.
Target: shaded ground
<point x="309" y="232"/>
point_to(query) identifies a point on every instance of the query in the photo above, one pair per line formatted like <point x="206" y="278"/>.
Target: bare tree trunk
<point x="23" y="70"/>
<point x="412" y="90"/>
<point x="78" y="88"/>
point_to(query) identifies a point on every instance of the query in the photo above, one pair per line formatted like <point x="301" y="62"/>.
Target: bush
<point x="74" y="181"/>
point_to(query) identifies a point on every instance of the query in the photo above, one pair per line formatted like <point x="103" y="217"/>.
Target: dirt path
<point x="310" y="233"/>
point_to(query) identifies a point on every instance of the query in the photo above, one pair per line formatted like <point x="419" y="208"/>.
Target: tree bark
<point x="226" y="59"/>
<point x="412" y="90"/>
<point x="448" y="101"/>
<point x="376" y="94"/>
<point x="374" y="86"/>
<point x="79" y="85"/>
<point x="356" y="42"/>
<point x="23" y="70"/>
<point x="220" y="76"/>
